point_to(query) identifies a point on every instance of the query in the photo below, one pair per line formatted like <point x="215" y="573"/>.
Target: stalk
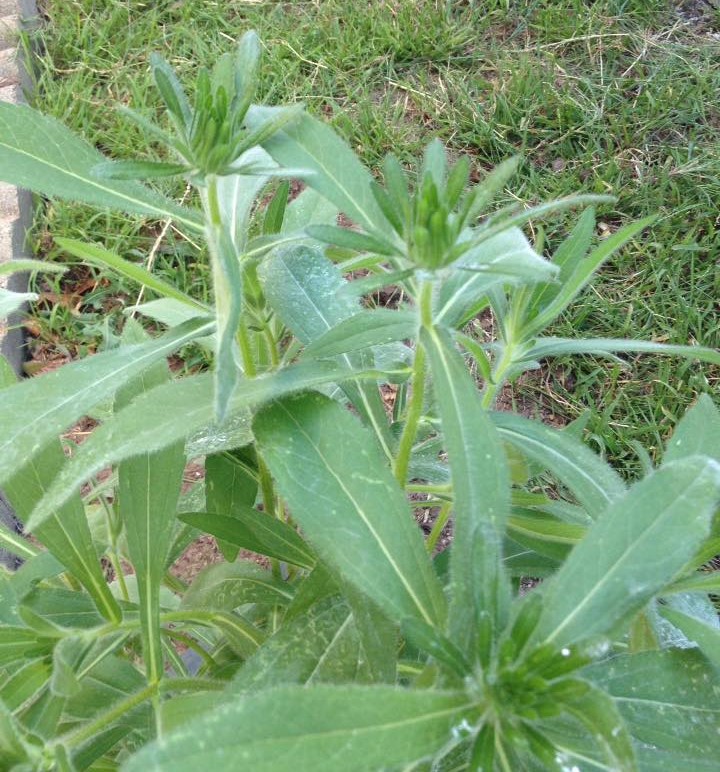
<point x="417" y="395"/>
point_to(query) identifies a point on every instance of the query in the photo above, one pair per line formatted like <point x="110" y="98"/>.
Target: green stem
<point x="438" y="526"/>
<point x="417" y="395"/>
<point x="190" y="684"/>
<point x="109" y="717"/>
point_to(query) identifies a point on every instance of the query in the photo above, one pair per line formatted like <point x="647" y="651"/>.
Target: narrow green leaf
<point x="106" y="259"/>
<point x="481" y="494"/>
<point x="548" y="347"/>
<point x="363" y="330"/>
<point x="433" y="642"/>
<point x="275" y="211"/>
<point x="138" y="170"/>
<point x="312" y="438"/>
<point x="148" y="490"/>
<point x="237" y="194"/>
<point x="12" y="301"/>
<point x="506" y="257"/>
<point x="337" y="174"/>
<point x="226" y="586"/>
<point x="706" y="636"/>
<point x="567" y="257"/>
<point x="229" y="484"/>
<point x="37" y="410"/>
<point x="593" y="482"/>
<point x="350" y="239"/>
<point x="304" y="289"/>
<point x="66" y="532"/>
<point x="697" y="432"/>
<point x="314" y="729"/>
<point x="150" y="422"/>
<point x="256" y="531"/>
<point x="228" y="294"/>
<point x="583" y="274"/>
<point x="39" y="153"/>
<point x="668" y="700"/>
<point x="15" y="266"/>
<point x="628" y="555"/>
<point x="321" y="645"/>
<point x="172" y="92"/>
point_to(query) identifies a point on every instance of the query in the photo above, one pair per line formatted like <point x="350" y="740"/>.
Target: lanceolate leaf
<point x="106" y="259"/>
<point x="363" y="330"/>
<point x="593" y="482"/>
<point x="348" y="504"/>
<point x="304" y="288"/>
<point x="11" y="301"/>
<point x="669" y="702"/>
<point x="150" y="422"/>
<point x="698" y="432"/>
<point x="256" y="531"/>
<point x="548" y="347"/>
<point x="582" y="274"/>
<point x="321" y="645"/>
<point x="227" y="290"/>
<point x="229" y="484"/>
<point x="314" y="729"/>
<point x="148" y="490"/>
<point x="335" y="171"/>
<point x="481" y="494"/>
<point x="705" y="635"/>
<point x="38" y="153"/>
<point x="225" y="586"/>
<point x="65" y="533"/>
<point x="637" y="547"/>
<point x="37" y="410"/>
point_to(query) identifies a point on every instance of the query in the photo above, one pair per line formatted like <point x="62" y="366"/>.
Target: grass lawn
<point x="612" y="96"/>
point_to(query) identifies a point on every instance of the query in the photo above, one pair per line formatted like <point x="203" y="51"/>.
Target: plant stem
<point x="87" y="732"/>
<point x="438" y="526"/>
<point x="417" y="395"/>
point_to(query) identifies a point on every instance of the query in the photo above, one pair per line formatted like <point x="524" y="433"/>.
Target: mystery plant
<point x="353" y="643"/>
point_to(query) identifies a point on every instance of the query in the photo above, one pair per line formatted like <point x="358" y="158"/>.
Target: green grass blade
<point x="634" y="550"/>
<point x="40" y="154"/>
<point x="37" y="410"/>
<point x="314" y="729"/>
<point x="353" y="500"/>
<point x="481" y="494"/>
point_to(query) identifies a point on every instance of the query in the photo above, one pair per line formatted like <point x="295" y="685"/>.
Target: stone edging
<point x="15" y="206"/>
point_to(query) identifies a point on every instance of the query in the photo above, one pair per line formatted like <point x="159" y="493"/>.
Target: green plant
<point x="354" y="646"/>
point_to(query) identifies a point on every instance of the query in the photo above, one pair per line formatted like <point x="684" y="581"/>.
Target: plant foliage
<point x="352" y="643"/>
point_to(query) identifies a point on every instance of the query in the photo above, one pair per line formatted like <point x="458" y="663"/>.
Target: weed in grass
<point x="610" y="96"/>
